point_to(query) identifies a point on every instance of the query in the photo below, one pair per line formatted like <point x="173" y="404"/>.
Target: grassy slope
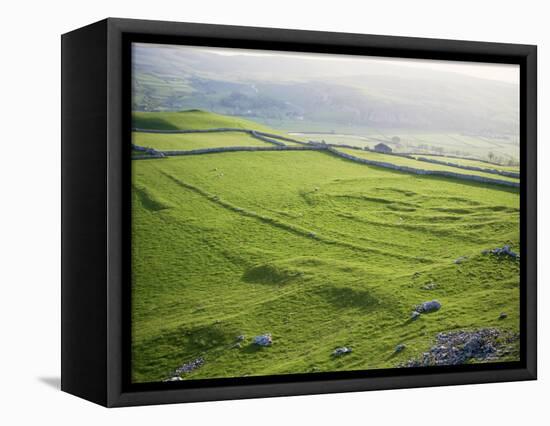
<point x="194" y="141"/>
<point x="195" y="120"/>
<point x="319" y="251"/>
<point x="409" y="162"/>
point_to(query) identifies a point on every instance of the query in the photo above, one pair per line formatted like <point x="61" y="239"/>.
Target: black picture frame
<point x="95" y="210"/>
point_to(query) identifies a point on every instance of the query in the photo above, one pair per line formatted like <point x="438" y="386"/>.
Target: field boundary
<point x="458" y="157"/>
<point x="201" y="151"/>
<point x="422" y="171"/>
<point x="151" y="153"/>
<point x="473" y="168"/>
<point x="263" y="136"/>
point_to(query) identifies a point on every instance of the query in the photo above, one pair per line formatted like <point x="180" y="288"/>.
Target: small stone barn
<point x="382" y="147"/>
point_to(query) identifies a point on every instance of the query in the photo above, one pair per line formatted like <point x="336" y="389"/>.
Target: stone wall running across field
<point x="418" y="157"/>
<point x="473" y="168"/>
<point x="229" y="149"/>
<point x="263" y="136"/>
<point x="422" y="171"/>
<point x="458" y="157"/>
<point x="241" y="148"/>
<point x="150" y="152"/>
<point x="323" y="147"/>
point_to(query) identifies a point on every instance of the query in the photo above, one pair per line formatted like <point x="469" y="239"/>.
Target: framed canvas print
<point x="252" y="212"/>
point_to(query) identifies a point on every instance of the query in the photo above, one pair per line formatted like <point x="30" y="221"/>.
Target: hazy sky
<point x="501" y="72"/>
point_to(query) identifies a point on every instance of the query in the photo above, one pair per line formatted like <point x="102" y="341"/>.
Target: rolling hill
<point x="316" y="250"/>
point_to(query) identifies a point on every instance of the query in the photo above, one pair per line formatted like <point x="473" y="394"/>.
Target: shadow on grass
<point x="346" y="297"/>
<point x="252" y="348"/>
<point x="152" y="123"/>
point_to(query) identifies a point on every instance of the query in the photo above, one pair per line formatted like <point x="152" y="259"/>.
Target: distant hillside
<point x="191" y="119"/>
<point x="282" y="90"/>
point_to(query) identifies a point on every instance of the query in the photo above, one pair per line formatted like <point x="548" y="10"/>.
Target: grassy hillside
<point x="194" y="141"/>
<point x="409" y="162"/>
<point x="196" y="120"/>
<point x="315" y="93"/>
<point x="319" y="251"/>
<point x="192" y="119"/>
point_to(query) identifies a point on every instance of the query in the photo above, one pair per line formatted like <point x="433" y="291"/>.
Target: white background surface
<point x="30" y="200"/>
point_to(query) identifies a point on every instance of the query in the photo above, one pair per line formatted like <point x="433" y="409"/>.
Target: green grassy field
<point x="319" y="251"/>
<point x="409" y="162"/>
<point x="196" y="120"/>
<point x="474" y="163"/>
<point x="168" y="142"/>
<point x="415" y="141"/>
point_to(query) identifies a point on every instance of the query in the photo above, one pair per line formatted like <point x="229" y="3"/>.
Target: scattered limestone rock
<point x="341" y="351"/>
<point x="190" y="366"/>
<point x="458" y="347"/>
<point x="415" y="315"/>
<point x="263" y="340"/>
<point x="185" y="368"/>
<point x="428" y="307"/>
<point x="400" y="348"/>
<point x="505" y="251"/>
<point x="460" y="260"/>
<point x="430" y="286"/>
<point x="503" y="315"/>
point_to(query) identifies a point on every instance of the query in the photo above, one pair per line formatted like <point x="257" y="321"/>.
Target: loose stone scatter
<point x="263" y="340"/>
<point x="430" y="286"/>
<point x="458" y="347"/>
<point x="341" y="351"/>
<point x="505" y="251"/>
<point x="400" y="348"/>
<point x="190" y="366"/>
<point x="185" y="368"/>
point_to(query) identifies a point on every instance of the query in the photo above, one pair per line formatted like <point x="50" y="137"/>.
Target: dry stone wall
<point x="422" y="171"/>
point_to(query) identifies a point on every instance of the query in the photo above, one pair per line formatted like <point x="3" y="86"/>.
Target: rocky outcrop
<point x="505" y="251"/>
<point x="459" y="347"/>
<point x="341" y="351"/>
<point x="428" y="307"/>
<point x="263" y="340"/>
<point x="185" y="368"/>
